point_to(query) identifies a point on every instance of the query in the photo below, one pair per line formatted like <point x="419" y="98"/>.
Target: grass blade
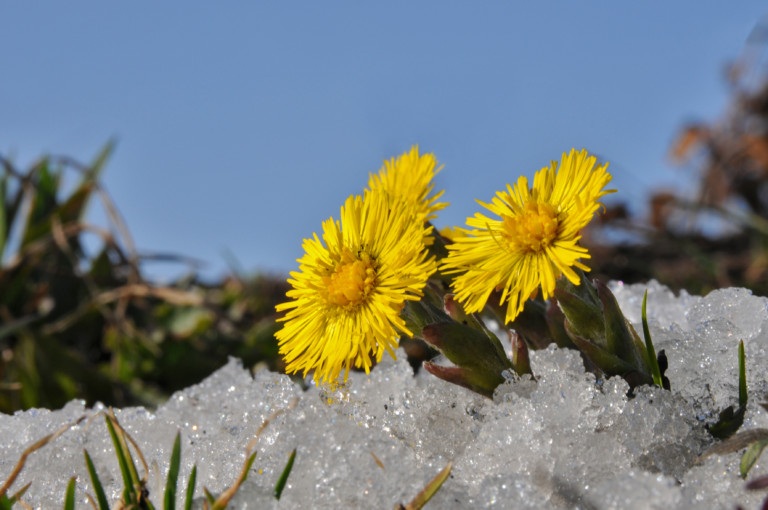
<point x="751" y="455"/>
<point x="284" y="477"/>
<point x="190" y="489"/>
<point x="247" y="467"/>
<point x="69" y="499"/>
<point x="13" y="499"/>
<point x="95" y="170"/>
<point x="173" y="475"/>
<point x="431" y="489"/>
<point x="209" y="497"/>
<point x="4" y="228"/>
<point x="652" y="359"/>
<point x="20" y="493"/>
<point x="128" y="493"/>
<point x="137" y="491"/>
<point x="742" y="376"/>
<point x="101" y="496"/>
<point x="227" y="495"/>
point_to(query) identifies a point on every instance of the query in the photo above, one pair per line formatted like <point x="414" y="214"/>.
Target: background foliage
<point x="78" y="322"/>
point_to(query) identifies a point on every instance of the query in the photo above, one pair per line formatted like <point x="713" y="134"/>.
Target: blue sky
<point x="241" y="127"/>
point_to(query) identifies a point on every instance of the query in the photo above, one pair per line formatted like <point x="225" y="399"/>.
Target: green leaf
<point x="284" y="477"/>
<point x="101" y="496"/>
<point x="751" y="455"/>
<point x="173" y="475"/>
<point x="479" y="356"/>
<point x="540" y="323"/>
<point x="652" y="359"/>
<point x="621" y="338"/>
<point x="5" y="503"/>
<point x="184" y="322"/>
<point x="418" y="314"/>
<point x="742" y="376"/>
<point x="69" y="499"/>
<point x="604" y="360"/>
<point x="586" y="316"/>
<point x="190" y="489"/>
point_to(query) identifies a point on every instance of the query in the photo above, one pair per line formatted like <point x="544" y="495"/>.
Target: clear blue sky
<point x="242" y="126"/>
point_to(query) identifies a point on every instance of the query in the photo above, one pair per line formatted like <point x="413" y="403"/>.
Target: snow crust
<point x="566" y="440"/>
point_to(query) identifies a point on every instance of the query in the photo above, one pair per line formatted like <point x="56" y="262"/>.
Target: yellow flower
<point x="350" y="289"/>
<point x="409" y="178"/>
<point x="534" y="241"/>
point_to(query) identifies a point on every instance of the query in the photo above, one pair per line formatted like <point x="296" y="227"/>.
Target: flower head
<point x="534" y="241"/>
<point x="350" y="289"/>
<point x="409" y="179"/>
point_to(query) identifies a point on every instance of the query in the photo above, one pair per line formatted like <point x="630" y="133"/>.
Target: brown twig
<point x="228" y="494"/>
<point x="31" y="449"/>
<point x="136" y="290"/>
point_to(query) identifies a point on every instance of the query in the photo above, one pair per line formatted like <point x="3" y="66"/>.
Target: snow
<point x="565" y="440"/>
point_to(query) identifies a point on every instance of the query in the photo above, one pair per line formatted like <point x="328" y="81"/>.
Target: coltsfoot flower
<point x="534" y="241"/>
<point x="407" y="181"/>
<point x="351" y="287"/>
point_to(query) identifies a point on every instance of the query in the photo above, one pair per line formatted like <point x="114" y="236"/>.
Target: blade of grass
<point x="190" y="489"/>
<point x="101" y="496"/>
<point x="3" y="224"/>
<point x="15" y="206"/>
<point x="380" y="464"/>
<point x="223" y="500"/>
<point x="16" y="497"/>
<point x="284" y="477"/>
<point x="751" y="455"/>
<point x="173" y="475"/>
<point x="91" y="501"/>
<point x="742" y="376"/>
<point x="69" y="498"/>
<point x="652" y="359"/>
<point x="138" y="486"/>
<point x="20" y="492"/>
<point x="95" y="170"/>
<point x="227" y="495"/>
<point x="731" y="420"/>
<point x="128" y="492"/>
<point x="430" y="490"/>
<point x="43" y="202"/>
<point x="209" y="499"/>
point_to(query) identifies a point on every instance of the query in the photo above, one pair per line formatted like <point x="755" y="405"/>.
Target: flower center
<point x="533" y="229"/>
<point x="351" y="282"/>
